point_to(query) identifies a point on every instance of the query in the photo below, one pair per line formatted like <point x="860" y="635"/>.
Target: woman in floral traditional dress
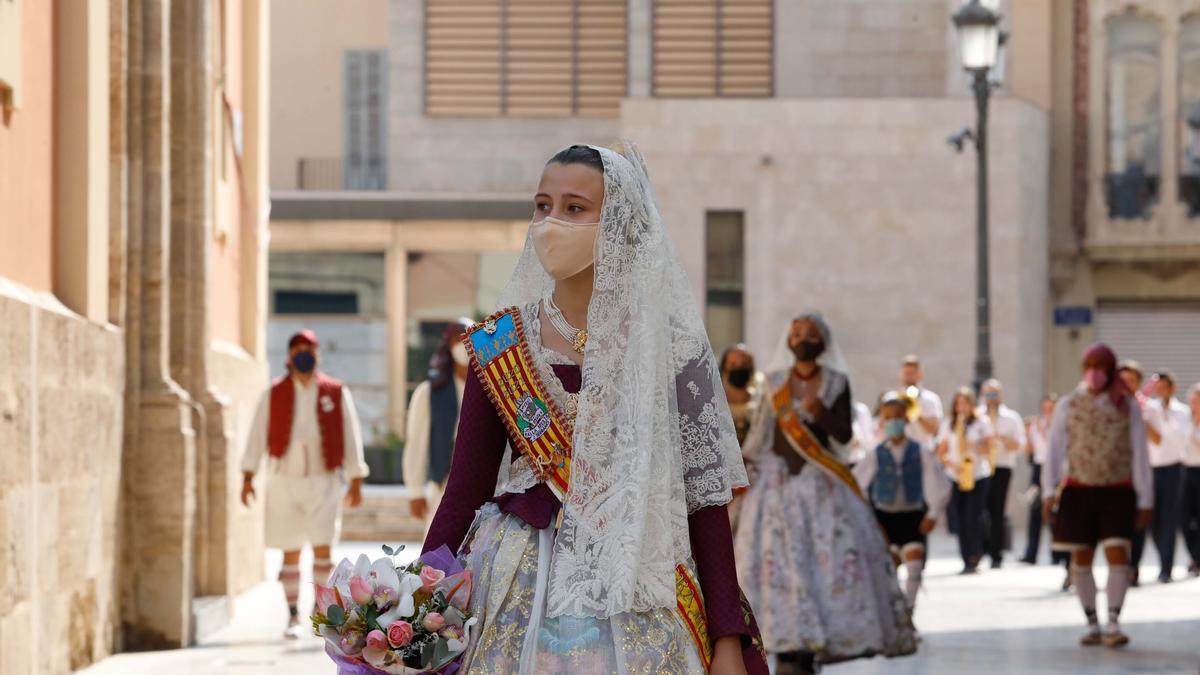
<point x="815" y="564"/>
<point x="587" y="582"/>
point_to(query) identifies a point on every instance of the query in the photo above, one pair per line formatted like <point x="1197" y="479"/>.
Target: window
<point x="315" y="302"/>
<point x="1133" y="125"/>
<point x="1189" y="114"/>
<point x="364" y="156"/>
<point x="724" y="248"/>
<point x="524" y="58"/>
<point x="713" y="48"/>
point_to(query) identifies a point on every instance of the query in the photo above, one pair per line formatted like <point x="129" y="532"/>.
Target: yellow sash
<point x="691" y="611"/>
<point x="502" y="360"/>
<point x="802" y="441"/>
<point x="501" y="357"/>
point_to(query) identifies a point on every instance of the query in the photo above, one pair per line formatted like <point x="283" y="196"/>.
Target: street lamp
<point x="979" y="42"/>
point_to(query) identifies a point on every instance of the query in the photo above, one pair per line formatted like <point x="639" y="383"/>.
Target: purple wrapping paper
<point x="442" y="559"/>
<point x="347" y="666"/>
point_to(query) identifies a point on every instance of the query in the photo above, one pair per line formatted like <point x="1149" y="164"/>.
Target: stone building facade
<point x="1094" y="185"/>
<point x="132" y="280"/>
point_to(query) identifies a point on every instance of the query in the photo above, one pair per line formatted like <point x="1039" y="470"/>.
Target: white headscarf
<point x="653" y="440"/>
<point x="831" y="361"/>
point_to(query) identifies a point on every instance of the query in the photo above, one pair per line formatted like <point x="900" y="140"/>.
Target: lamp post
<point x="979" y="41"/>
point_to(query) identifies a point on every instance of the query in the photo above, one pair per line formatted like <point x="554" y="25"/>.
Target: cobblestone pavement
<point x="1013" y="620"/>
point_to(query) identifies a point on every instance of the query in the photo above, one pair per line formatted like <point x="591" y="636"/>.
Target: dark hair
<point x="969" y="394"/>
<point x="738" y="347"/>
<point x="1164" y="374"/>
<point x="441" y="366"/>
<point x="579" y="154"/>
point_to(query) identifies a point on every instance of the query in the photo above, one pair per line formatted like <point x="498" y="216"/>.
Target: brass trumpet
<point x="911" y="397"/>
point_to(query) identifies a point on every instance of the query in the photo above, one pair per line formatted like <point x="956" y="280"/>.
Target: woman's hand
<point x="813" y="406"/>
<point x="727" y="657"/>
<point x="1144" y="517"/>
<point x="1048" y="507"/>
<point x="927" y="525"/>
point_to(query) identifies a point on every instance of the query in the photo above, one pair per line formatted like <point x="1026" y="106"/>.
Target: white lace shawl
<point x="654" y="440"/>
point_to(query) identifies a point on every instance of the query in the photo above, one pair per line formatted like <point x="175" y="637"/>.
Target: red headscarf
<point x="1105" y="358"/>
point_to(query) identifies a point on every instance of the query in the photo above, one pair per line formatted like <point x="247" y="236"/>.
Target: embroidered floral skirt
<point x="511" y="562"/>
<point x="816" y="569"/>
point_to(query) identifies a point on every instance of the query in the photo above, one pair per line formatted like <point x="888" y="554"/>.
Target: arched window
<point x="1134" y="158"/>
<point x="1189" y="114"/>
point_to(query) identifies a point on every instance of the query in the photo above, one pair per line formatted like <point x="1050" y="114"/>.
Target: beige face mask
<point x="565" y="249"/>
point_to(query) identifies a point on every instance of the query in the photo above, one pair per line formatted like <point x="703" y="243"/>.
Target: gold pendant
<point x="580" y="341"/>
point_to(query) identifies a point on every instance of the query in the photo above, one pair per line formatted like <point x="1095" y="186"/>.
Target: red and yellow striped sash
<point x="501" y="358"/>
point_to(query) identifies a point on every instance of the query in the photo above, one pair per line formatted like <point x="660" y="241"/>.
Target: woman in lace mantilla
<point x="586" y="584"/>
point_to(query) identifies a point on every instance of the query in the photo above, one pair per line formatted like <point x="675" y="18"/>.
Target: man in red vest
<point x="307" y="424"/>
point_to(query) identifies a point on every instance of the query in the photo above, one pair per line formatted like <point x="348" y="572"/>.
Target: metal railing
<point x="336" y="173"/>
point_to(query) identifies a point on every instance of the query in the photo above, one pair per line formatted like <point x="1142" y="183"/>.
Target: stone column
<point x="397" y="312"/>
<point x="118" y="184"/>
<point x="158" y="467"/>
<point x="192" y="131"/>
<point x="81" y="162"/>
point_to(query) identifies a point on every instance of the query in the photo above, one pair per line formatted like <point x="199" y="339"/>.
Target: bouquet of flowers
<point x="376" y="617"/>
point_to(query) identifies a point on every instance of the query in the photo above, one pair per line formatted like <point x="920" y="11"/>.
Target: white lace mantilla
<point x="653" y="440"/>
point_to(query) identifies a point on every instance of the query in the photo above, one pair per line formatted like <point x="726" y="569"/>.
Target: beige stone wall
<point x="871" y="48"/>
<point x="859" y="208"/>
<point x="61" y="390"/>
<point x="306" y="80"/>
<point x="26" y="172"/>
<point x="242" y="380"/>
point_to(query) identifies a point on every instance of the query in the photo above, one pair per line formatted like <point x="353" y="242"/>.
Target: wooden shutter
<point x="538" y="58"/>
<point x="713" y="47"/>
<point x="685" y="48"/>
<point x="600" y="59"/>
<point x="524" y="58"/>
<point x="745" y="51"/>
<point x="463" y="46"/>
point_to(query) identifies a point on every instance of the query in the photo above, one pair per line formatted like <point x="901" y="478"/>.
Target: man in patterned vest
<point x="307" y="425"/>
<point x="1097" y="481"/>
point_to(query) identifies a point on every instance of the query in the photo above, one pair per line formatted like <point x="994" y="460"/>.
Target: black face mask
<point x="808" y="350"/>
<point x="304" y="362"/>
<point x="739" y="377"/>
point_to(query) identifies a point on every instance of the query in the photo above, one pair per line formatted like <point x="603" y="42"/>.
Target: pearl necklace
<point x="576" y="336"/>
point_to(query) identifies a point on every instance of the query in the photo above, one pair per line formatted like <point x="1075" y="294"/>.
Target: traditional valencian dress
<point x="608" y="548"/>
<point x="813" y="560"/>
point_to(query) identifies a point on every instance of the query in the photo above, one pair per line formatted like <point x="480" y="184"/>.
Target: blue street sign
<point x="1073" y="315"/>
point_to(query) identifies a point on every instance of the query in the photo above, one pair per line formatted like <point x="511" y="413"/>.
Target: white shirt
<point x="866" y="433"/>
<point x="1055" y="468"/>
<point x="1039" y="438"/>
<point x="977" y="435"/>
<point x="416" y="436"/>
<point x="931" y="409"/>
<point x="933" y="483"/>
<point x="304" y="456"/>
<point x="1174" y="424"/>
<point x="1008" y="424"/>
<point x="1192" y="458"/>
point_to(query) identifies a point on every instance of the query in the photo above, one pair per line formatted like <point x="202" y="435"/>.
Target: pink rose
<point x="377" y="640"/>
<point x="360" y="590"/>
<point x="431" y="576"/>
<point x="433" y="622"/>
<point x="400" y="634"/>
